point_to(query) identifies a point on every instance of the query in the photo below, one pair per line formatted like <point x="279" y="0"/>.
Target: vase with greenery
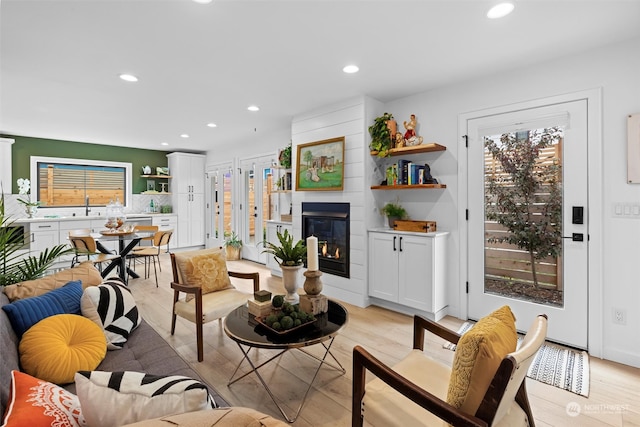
<point x="394" y="211"/>
<point x="381" y="134"/>
<point x="15" y="267"/>
<point x="233" y="245"/>
<point x="290" y="256"/>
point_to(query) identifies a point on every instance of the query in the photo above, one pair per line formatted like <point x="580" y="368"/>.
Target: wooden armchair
<point x="414" y="392"/>
<point x="200" y="306"/>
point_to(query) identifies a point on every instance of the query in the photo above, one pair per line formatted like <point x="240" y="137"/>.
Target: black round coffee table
<point x="242" y="327"/>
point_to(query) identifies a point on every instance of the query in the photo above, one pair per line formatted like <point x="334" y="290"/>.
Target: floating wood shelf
<point x="416" y="149"/>
<point x="408" y="187"/>
<point x="155" y="176"/>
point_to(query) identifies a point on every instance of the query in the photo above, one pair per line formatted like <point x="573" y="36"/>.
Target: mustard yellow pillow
<point x="206" y="269"/>
<point x="86" y="272"/>
<point x="57" y="347"/>
<point x="478" y="355"/>
<point x="183" y="258"/>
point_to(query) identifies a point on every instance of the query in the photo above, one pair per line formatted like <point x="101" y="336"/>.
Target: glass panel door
<point x="256" y="205"/>
<point x="528" y="224"/>
<point x="218" y="203"/>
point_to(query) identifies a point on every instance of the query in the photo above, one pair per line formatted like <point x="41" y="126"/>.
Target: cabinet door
<point x="415" y="272"/>
<point x="181" y="207"/>
<point x="196" y="220"/>
<point x="196" y="168"/>
<point x="41" y="240"/>
<point x="383" y="266"/>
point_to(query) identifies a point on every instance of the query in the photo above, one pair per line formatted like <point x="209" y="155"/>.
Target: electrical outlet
<point x="619" y="316"/>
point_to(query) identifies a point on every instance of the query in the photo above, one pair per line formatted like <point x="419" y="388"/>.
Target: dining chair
<point x="152" y="253"/>
<point x="85" y="245"/>
<point x="485" y="386"/>
<point x="203" y="278"/>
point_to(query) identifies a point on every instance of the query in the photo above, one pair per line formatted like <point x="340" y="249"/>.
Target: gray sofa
<point x="145" y="351"/>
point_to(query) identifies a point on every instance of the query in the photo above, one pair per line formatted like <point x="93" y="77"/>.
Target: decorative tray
<point x="260" y="320"/>
<point x="115" y="233"/>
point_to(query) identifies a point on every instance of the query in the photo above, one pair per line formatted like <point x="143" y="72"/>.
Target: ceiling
<point x="206" y="63"/>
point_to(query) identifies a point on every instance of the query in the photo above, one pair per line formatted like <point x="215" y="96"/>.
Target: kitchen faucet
<point x="87" y="209"/>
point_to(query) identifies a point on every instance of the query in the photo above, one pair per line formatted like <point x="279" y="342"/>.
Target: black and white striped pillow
<point x="111" y="306"/>
<point x="136" y="396"/>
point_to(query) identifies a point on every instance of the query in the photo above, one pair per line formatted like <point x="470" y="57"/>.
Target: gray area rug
<point x="555" y="365"/>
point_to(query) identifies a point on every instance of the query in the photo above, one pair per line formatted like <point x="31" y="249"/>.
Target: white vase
<point x="290" y="282"/>
<point x="31" y="210"/>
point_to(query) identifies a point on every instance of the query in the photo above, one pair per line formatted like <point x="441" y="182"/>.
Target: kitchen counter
<point x="136" y="216"/>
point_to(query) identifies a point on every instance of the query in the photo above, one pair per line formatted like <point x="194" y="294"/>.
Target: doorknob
<point x="576" y="237"/>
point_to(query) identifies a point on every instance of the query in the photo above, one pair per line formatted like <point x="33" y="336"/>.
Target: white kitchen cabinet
<point x="408" y="269"/>
<point x="187" y="187"/>
<point x="273" y="228"/>
<point x="166" y="223"/>
<point x="43" y="235"/>
<point x="187" y="172"/>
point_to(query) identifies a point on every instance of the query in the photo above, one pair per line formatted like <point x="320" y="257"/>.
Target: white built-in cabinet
<point x="166" y="223"/>
<point x="43" y="235"/>
<point x="408" y="269"/>
<point x="187" y="188"/>
<point x="273" y="228"/>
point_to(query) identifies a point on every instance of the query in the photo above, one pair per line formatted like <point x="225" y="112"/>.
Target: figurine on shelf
<point x="427" y="178"/>
<point x="410" y="136"/>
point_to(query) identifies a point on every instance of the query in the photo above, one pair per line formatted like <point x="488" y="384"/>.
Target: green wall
<point x="25" y="147"/>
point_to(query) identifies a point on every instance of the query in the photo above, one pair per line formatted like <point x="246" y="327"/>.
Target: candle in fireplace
<point x="312" y="253"/>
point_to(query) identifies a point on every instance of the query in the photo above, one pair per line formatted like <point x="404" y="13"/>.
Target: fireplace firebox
<point x="329" y="222"/>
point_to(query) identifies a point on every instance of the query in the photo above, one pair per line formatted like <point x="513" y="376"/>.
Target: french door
<point x="219" y="203"/>
<point x="255" y="176"/>
<point x="528" y="247"/>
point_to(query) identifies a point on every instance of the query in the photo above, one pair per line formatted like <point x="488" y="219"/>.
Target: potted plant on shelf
<point x="394" y="211"/>
<point x="382" y="132"/>
<point x="233" y="245"/>
<point x="285" y="157"/>
<point x="290" y="256"/>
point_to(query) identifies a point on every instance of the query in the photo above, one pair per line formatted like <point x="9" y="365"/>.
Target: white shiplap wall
<point x="348" y="119"/>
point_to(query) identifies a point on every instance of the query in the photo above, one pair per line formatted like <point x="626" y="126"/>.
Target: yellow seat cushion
<point x="55" y="348"/>
<point x="206" y="269"/>
<point x="86" y="272"/>
<point x="478" y="355"/>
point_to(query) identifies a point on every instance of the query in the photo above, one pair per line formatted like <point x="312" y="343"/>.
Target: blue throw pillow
<point x="25" y="313"/>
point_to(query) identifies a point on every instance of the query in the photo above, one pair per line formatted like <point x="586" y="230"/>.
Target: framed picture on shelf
<point x="320" y="165"/>
<point x="151" y="185"/>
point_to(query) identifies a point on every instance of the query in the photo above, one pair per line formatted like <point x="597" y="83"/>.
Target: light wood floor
<point x="614" y="396"/>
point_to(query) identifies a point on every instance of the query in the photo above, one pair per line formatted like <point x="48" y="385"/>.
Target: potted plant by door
<point x="233" y="246"/>
<point x="393" y="211"/>
<point x="382" y="133"/>
<point x="290" y="256"/>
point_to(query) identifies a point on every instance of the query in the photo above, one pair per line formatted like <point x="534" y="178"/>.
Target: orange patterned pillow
<point x="37" y="403"/>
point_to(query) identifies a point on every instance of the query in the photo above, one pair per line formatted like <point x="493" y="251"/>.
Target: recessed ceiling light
<point x="212" y="125"/>
<point x="253" y="108"/>
<point x="500" y="10"/>
<point x="128" y="77"/>
<point x="184" y="135"/>
<point x="164" y="143"/>
<point x="203" y="1"/>
<point x="350" y="69"/>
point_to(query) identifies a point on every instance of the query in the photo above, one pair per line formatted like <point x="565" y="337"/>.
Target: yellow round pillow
<point x="57" y="347"/>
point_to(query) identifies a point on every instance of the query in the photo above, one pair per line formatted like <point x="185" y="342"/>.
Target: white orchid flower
<point x="24" y="185"/>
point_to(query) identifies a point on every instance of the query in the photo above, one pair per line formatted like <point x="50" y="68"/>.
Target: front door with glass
<point x="528" y="222"/>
